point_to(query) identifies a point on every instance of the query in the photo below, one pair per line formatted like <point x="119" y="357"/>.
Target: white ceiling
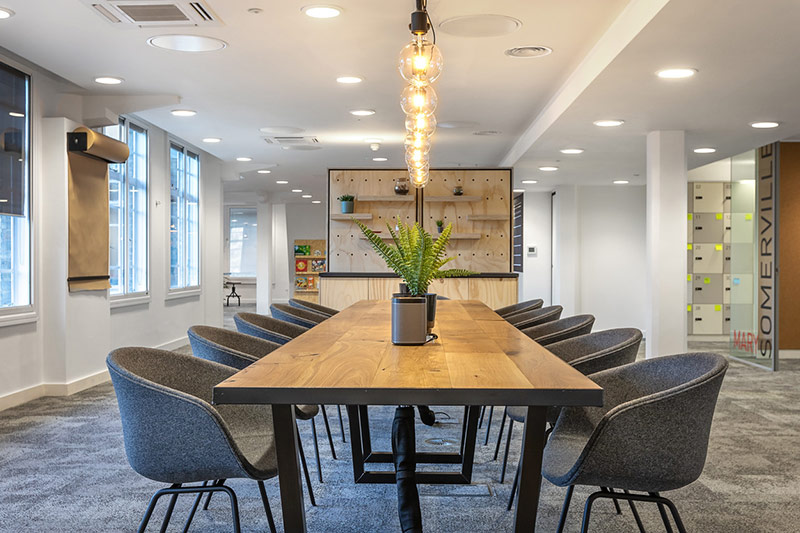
<point x="280" y="68"/>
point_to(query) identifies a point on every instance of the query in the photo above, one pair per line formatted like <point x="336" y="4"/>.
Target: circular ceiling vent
<point x="529" y="51"/>
<point x="486" y="133"/>
<point x="480" y="25"/>
<point x="454" y="124"/>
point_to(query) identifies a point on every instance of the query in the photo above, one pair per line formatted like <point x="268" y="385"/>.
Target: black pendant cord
<point x="404" y="452"/>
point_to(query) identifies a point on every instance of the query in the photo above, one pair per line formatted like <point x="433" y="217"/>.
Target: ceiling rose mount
<point x="420" y="64"/>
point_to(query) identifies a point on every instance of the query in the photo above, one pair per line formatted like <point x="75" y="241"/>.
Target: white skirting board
<point x="66" y="389"/>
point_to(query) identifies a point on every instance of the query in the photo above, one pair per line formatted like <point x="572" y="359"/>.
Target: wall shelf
<point x="487" y="217"/>
<point x="309" y="256"/>
<point x="453" y="236"/>
<point x="307" y="290"/>
<point x="393" y="198"/>
<point x="350" y="216"/>
<point x="445" y="199"/>
<point x="301" y="273"/>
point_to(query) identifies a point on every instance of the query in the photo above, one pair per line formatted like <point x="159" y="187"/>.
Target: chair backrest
<point x="536" y="317"/>
<point x="172" y="433"/>
<point x="311" y="306"/>
<point x="301" y="317"/>
<point x="521" y="307"/>
<point x="600" y="350"/>
<point x="227" y="347"/>
<point x="267" y="327"/>
<point x="655" y="425"/>
<point x="558" y="330"/>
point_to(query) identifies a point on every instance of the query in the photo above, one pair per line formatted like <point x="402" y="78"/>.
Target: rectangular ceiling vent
<point x="155" y="13"/>
<point x="292" y="141"/>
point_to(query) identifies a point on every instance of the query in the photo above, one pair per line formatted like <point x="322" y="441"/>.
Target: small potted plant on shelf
<point x="347" y="203"/>
<point x="440" y="225"/>
<point x="418" y="259"/>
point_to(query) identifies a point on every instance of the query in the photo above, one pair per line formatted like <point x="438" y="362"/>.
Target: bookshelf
<point x="310" y="259"/>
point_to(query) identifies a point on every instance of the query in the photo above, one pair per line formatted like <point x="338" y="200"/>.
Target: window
<point x="127" y="200"/>
<point x="243" y="237"/>
<point x="184" y="219"/>
<point x="15" y="220"/>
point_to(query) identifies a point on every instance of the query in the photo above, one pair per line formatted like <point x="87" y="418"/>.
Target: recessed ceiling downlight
<point x="362" y="112"/>
<point x="676" y="73"/>
<point x="608" y="123"/>
<point x="108" y="80"/>
<point x="322" y="11"/>
<point x="297" y="190"/>
<point x="764" y="125"/>
<point x="529" y="51"/>
<point x="187" y="43"/>
<point x="705" y="150"/>
<point x="380" y="159"/>
<point x="244" y="159"/>
<point x="16" y="114"/>
<point x="5" y="13"/>
<point x="183" y="112"/>
<point x="282" y="182"/>
<point x="263" y="171"/>
<point x="519" y="190"/>
<point x="482" y="25"/>
<point x="621" y="182"/>
<point x="212" y="140"/>
<point x="529" y="182"/>
<point x="548" y="169"/>
<point x="572" y="151"/>
<point x="305" y="196"/>
<point x="349" y="80"/>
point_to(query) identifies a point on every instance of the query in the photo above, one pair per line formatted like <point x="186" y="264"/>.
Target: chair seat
<point x="306" y="412"/>
<point x="517" y="414"/>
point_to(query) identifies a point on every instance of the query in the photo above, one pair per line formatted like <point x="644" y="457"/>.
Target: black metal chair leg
<point x="565" y="509"/>
<point x="305" y="468"/>
<point x="616" y="503"/>
<point x="194" y="508"/>
<point x="217" y="483"/>
<point x="514" y="488"/>
<point x="663" y="512"/>
<point x="237" y="528"/>
<point x="488" y="425"/>
<point x="316" y="449"/>
<point x="675" y="515"/>
<point x="267" y="509"/>
<point x="635" y="514"/>
<point x="587" y="511"/>
<point x="173" y="499"/>
<point x="500" y="435"/>
<point x="151" y="506"/>
<point x="508" y="446"/>
<point x="480" y="422"/>
<point x="328" y="430"/>
<point x="341" y="422"/>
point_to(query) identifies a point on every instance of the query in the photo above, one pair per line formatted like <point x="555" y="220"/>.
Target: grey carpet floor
<point x="63" y="468"/>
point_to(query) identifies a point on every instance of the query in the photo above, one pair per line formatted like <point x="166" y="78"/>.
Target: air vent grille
<point x="149" y="13"/>
<point x="106" y="13"/>
<point x="201" y="11"/>
<point x="292" y="141"/>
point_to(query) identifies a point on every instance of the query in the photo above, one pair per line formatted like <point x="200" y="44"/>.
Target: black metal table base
<point x="361" y="445"/>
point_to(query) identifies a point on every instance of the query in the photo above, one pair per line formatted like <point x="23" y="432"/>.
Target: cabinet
<point x="707" y="258"/>
<point x="707" y="319"/>
<point x="707" y="288"/>
<point x="708" y="198"/>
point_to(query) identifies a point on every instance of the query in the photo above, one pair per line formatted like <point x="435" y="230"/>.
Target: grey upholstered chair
<point x="589" y="353"/>
<point x="267" y="327"/>
<point x="650" y="436"/>
<point x="174" y="435"/>
<point x="535" y="317"/>
<point x="294" y="315"/>
<point x="311" y="306"/>
<point x="561" y="329"/>
<point x="239" y="351"/>
<point x="521" y="307"/>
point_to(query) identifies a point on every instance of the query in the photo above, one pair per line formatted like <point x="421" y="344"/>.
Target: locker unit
<point x="707" y="288"/>
<point x="742" y="227"/>
<point x="726" y="228"/>
<point x="726" y="258"/>
<point x="742" y="289"/>
<point x="707" y="258"/>
<point x="726" y="319"/>
<point x="742" y="258"/>
<point x="726" y="197"/>
<point x="708" y="198"/>
<point x="707" y="319"/>
<point x="707" y="227"/>
<point x="689" y="226"/>
<point x="689" y="321"/>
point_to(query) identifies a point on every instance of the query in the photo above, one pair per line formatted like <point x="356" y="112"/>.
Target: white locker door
<point x="707" y="258"/>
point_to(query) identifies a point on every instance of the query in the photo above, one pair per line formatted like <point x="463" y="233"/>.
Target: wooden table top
<point x="478" y="359"/>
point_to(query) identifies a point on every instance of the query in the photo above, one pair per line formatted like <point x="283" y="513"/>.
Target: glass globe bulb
<point x="417" y="139"/>
<point x="416" y="100"/>
<point x="421" y="123"/>
<point x="422" y="166"/>
<point x="420" y="62"/>
<point x="419" y="179"/>
<point x="416" y="158"/>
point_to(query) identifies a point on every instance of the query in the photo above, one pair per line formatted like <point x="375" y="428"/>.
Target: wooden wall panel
<point x="383" y="288"/>
<point x="342" y="292"/>
<point x="348" y="251"/>
<point x="453" y="288"/>
<point x="494" y="292"/>
<point x="789" y="228"/>
<point x="481" y="218"/>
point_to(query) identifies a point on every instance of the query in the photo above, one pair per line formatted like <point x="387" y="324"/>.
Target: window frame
<point x="189" y="290"/>
<point x="127" y="299"/>
<point x="24" y="314"/>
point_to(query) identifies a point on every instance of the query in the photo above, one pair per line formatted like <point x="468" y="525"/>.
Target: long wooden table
<point x="479" y="359"/>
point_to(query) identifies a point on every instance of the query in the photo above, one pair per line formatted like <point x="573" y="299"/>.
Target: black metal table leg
<point x="294" y="515"/>
<point x="404" y="452"/>
<point x="530" y="478"/>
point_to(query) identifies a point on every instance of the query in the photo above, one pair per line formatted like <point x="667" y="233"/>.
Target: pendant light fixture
<point x="420" y="64"/>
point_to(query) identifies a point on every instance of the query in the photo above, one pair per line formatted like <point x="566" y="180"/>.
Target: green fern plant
<point x="415" y="256"/>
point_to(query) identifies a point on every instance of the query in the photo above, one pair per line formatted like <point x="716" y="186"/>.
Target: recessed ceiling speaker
<point x="480" y="25"/>
<point x="529" y="51"/>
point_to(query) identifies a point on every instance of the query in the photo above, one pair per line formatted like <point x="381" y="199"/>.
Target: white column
<point x="264" y="256"/>
<point x="566" y="250"/>
<point x="280" y="255"/>
<point x="666" y="243"/>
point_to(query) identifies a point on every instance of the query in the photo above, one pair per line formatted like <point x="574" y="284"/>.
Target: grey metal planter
<point x="409" y="320"/>
<point x="347" y="207"/>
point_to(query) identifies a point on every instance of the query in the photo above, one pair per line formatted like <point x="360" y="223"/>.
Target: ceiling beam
<point x="636" y="15"/>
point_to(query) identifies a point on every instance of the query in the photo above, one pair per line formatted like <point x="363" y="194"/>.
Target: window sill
<point x="183" y="293"/>
<point x="129" y="300"/>
<point x="15" y="318"/>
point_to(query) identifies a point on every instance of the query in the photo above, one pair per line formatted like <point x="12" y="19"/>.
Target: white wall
<point x="535" y="278"/>
<point x="63" y="350"/>
<point x="599" y="254"/>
